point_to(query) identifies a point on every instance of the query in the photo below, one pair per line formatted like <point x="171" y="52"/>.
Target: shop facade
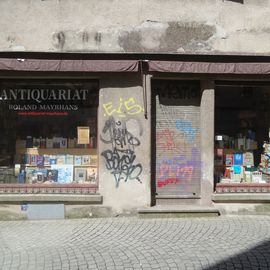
<point x="127" y="134"/>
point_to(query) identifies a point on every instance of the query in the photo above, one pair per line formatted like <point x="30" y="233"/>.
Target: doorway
<point x="176" y="155"/>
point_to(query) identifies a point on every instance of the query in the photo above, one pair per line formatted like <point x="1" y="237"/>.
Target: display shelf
<point x="48" y="166"/>
<point x="57" y="151"/>
<point x="85" y="166"/>
<point x="38" y="166"/>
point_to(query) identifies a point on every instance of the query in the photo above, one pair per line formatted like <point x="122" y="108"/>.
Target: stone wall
<point x="172" y="26"/>
<point x="124" y="143"/>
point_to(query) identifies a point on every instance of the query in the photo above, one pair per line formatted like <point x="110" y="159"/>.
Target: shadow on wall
<point x="237" y="1"/>
<point x="121" y="80"/>
<point x="257" y="257"/>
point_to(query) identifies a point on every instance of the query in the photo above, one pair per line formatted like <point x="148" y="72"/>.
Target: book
<point x="17" y="169"/>
<point x="46" y="160"/>
<point x="248" y="159"/>
<point x="42" y="143"/>
<point x="219" y="152"/>
<point x="63" y="142"/>
<point x="91" y="176"/>
<point x="60" y="159"/>
<point x="80" y="175"/>
<point x="86" y="159"/>
<point x="94" y="160"/>
<point x="31" y="175"/>
<point x="257" y="177"/>
<point x="49" y="143"/>
<point x="21" y="177"/>
<point x="227" y="173"/>
<point x="56" y="142"/>
<point x="77" y="160"/>
<point x="52" y="175"/>
<point x="229" y="160"/>
<point x="237" y="169"/>
<point x="69" y="159"/>
<point x="65" y="173"/>
<point x="33" y="160"/>
<point x="83" y="134"/>
<point x="53" y="160"/>
<point x="241" y="143"/>
<point x="238" y="158"/>
<point x="25" y="158"/>
<point x="247" y="176"/>
<point x="41" y="175"/>
<point x="40" y="160"/>
<point x="71" y="143"/>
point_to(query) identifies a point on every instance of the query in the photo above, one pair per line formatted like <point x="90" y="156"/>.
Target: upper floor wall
<point x="170" y="26"/>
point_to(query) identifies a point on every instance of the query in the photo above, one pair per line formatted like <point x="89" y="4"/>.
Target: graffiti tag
<point x="168" y="181"/>
<point x="120" y="158"/>
<point x="122" y="108"/>
<point x="165" y="139"/>
<point x="187" y="128"/>
<point x="173" y="170"/>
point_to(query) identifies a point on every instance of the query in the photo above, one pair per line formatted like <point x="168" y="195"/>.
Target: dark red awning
<point x="69" y="65"/>
<point x="209" y="67"/>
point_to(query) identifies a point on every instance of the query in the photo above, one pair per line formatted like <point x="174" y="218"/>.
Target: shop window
<point x="48" y="132"/>
<point x="242" y="121"/>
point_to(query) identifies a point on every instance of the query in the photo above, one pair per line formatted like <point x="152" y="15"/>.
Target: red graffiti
<point x="176" y="171"/>
<point x="168" y="181"/>
<point x="165" y="139"/>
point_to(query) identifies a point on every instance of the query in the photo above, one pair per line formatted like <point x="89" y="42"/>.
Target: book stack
<point x="265" y="159"/>
<point x="240" y="168"/>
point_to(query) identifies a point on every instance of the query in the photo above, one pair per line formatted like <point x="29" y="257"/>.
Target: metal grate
<point x="177" y="137"/>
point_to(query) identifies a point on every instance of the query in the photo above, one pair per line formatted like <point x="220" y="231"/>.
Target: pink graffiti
<point x="165" y="139"/>
<point x="176" y="171"/>
<point x="168" y="181"/>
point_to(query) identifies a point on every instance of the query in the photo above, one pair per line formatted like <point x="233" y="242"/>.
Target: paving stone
<point x="129" y="243"/>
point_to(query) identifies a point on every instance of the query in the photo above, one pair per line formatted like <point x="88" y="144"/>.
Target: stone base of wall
<point x="242" y="188"/>
<point x="48" y="189"/>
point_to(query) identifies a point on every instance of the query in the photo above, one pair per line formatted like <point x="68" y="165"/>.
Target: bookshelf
<point x="84" y="172"/>
<point x="57" y="151"/>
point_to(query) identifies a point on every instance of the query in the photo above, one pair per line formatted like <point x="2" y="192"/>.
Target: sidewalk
<point x="131" y="243"/>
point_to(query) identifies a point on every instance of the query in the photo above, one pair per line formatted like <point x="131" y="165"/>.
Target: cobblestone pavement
<point x="131" y="243"/>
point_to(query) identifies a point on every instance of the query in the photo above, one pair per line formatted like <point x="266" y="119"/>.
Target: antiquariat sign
<point x="40" y="95"/>
<point x="19" y="99"/>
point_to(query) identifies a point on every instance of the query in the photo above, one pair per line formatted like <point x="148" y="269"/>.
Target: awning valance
<point x="54" y="65"/>
<point x="209" y="67"/>
<point x="91" y="65"/>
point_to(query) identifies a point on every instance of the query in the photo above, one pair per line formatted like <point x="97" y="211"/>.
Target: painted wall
<point x="175" y="26"/>
<point x="207" y="140"/>
<point x="124" y="143"/>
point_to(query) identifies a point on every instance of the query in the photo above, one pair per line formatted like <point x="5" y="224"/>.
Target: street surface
<point x="132" y="243"/>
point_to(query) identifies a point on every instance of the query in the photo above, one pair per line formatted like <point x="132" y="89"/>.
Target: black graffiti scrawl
<point x="121" y="157"/>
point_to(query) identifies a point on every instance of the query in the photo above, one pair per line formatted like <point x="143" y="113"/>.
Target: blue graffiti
<point x="187" y="128"/>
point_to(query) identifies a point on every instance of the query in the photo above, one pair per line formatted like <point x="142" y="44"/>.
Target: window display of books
<point x="239" y="168"/>
<point x="61" y="169"/>
<point x="234" y="159"/>
<point x="265" y="159"/>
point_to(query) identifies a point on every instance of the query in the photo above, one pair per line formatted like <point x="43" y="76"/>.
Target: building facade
<point x="130" y="105"/>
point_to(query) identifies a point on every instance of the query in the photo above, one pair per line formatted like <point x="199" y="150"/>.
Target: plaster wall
<point x="172" y="26"/>
<point x="124" y="143"/>
<point x="207" y="140"/>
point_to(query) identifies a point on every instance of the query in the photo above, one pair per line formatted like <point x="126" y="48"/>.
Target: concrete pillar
<point x="124" y="142"/>
<point x="207" y="140"/>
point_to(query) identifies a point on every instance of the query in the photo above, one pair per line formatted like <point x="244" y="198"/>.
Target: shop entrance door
<point x="176" y="138"/>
